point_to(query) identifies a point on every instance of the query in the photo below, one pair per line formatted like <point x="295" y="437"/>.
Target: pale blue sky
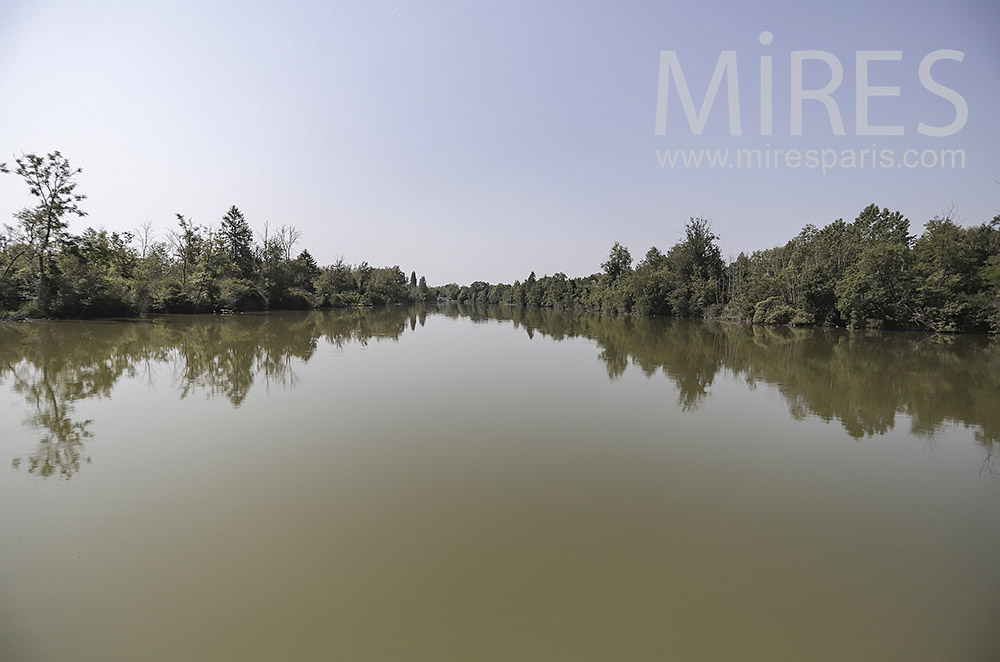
<point x="478" y="140"/>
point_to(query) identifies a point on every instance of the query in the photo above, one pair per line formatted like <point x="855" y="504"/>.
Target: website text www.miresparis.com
<point x="823" y="160"/>
<point x="821" y="98"/>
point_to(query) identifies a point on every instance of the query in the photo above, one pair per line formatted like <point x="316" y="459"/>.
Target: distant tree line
<point x="870" y="273"/>
<point x="45" y="271"/>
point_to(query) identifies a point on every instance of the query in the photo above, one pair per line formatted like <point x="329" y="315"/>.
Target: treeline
<point x="45" y="271"/>
<point x="869" y="273"/>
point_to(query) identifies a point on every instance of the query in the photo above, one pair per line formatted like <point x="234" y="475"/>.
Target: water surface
<point x="431" y="484"/>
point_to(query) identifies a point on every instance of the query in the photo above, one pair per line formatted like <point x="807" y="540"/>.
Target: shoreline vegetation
<point x="868" y="273"/>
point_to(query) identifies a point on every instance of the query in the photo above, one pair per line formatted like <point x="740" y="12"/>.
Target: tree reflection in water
<point x="864" y="380"/>
<point x="52" y="366"/>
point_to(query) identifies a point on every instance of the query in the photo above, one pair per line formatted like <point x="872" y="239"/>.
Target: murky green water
<point x="495" y="485"/>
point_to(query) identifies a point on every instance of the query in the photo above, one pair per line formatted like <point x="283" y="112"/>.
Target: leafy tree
<point x="305" y="270"/>
<point x="618" y="264"/>
<point x="238" y="239"/>
<point x="212" y="269"/>
<point x="95" y="275"/>
<point x="695" y="266"/>
<point x="875" y="290"/>
<point x="880" y="226"/>
<point x="387" y="285"/>
<point x="651" y="284"/>
<point x="187" y="244"/>
<point x="150" y="278"/>
<point x="52" y="181"/>
<point x="15" y="264"/>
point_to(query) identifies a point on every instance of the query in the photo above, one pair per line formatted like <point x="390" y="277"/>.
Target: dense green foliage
<point x="47" y="271"/>
<point x="870" y="273"/>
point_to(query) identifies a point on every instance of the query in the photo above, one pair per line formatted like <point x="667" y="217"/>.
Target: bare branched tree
<point x="288" y="236"/>
<point x="146" y="237"/>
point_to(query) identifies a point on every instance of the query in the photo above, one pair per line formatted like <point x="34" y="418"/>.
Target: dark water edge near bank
<point x="13" y="318"/>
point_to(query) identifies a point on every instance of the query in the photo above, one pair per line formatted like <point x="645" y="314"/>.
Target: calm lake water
<point x="465" y="484"/>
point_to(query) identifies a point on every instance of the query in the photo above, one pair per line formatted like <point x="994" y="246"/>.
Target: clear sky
<point x="482" y="140"/>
